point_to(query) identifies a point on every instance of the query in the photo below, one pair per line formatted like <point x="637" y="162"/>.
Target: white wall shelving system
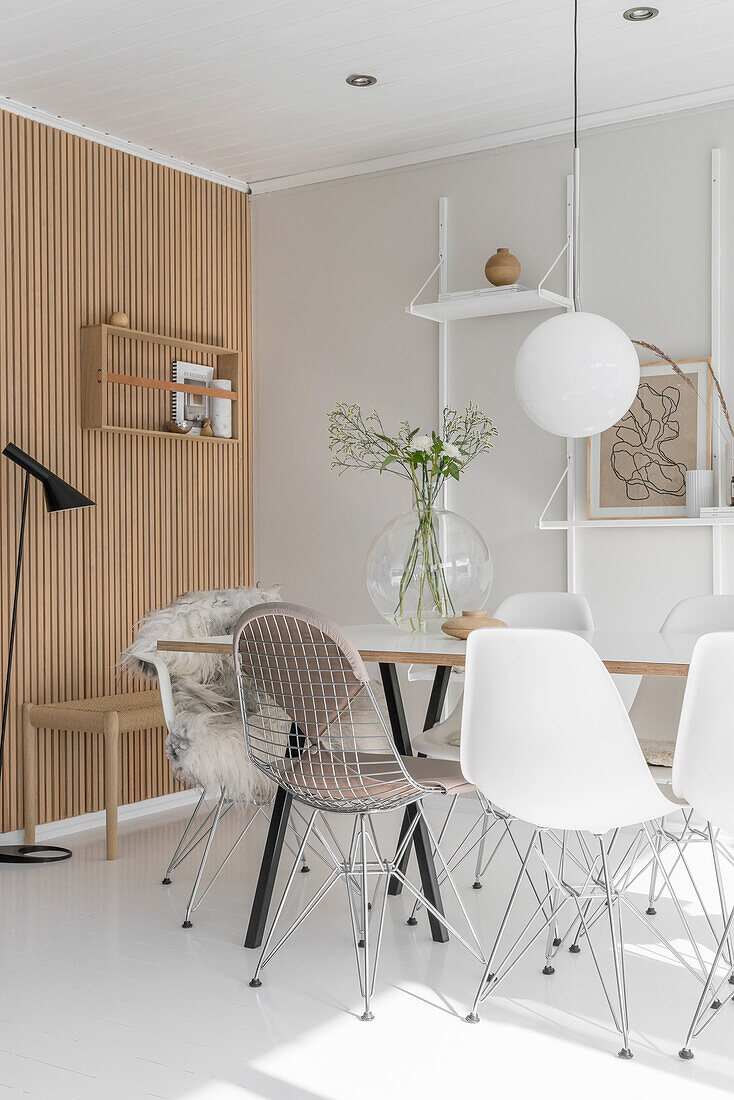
<point x="495" y="302"/>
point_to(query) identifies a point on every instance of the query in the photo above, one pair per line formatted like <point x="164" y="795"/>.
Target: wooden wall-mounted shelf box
<point x="127" y="384"/>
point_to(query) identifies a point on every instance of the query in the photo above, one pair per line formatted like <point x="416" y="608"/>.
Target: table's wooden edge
<point x="455" y="660"/>
<point x="386" y="657"/>
<point x="171" y="645"/>
<point x="645" y="668"/>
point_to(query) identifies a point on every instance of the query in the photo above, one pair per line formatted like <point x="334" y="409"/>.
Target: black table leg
<point x="438" y="696"/>
<point x="268" y="868"/>
<point x="433" y="713"/>
<point x="401" y="736"/>
<point x="271" y="856"/>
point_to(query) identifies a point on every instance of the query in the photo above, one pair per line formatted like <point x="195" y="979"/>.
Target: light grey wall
<point x="336" y="263"/>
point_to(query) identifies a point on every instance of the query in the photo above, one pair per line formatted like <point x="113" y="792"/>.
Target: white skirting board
<point x="86" y="822"/>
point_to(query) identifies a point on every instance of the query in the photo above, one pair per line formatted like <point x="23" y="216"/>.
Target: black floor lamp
<point x="60" y="497"/>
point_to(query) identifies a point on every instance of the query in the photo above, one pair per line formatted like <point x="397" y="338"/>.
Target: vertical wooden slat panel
<point x="85" y="230"/>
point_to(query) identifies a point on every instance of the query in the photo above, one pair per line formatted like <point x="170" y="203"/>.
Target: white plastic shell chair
<point x="553" y="610"/>
<point x="200" y="828"/>
<point x="656" y="709"/>
<point x="702" y="775"/>
<point x="302" y="665"/>
<point x="546" y="738"/>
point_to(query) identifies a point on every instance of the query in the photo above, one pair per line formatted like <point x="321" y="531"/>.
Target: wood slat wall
<point x="85" y="230"/>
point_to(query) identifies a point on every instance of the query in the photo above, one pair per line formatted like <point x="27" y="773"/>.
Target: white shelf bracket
<point x="550" y="295"/>
<point x="541" y="522"/>
<point x="410" y="307"/>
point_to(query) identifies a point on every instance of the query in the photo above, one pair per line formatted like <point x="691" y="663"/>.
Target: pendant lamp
<point x="578" y="373"/>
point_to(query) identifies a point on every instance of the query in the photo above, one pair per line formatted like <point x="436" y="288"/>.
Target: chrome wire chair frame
<point x="599" y="892"/>
<point x="363" y="859"/>
<point x="639" y="866"/>
<point x="485" y="823"/>
<point x="721" y="971"/>
<point x="304" y="670"/>
<point x="192" y="837"/>
<point x="185" y="846"/>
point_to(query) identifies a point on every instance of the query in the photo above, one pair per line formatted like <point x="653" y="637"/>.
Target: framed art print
<point x="637" y="468"/>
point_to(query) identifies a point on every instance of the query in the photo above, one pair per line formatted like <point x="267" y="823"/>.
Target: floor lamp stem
<point x="24" y="853"/>
<point x="14" y="621"/>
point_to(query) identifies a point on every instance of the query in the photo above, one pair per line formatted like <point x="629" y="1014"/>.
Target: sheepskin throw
<point x="205" y="744"/>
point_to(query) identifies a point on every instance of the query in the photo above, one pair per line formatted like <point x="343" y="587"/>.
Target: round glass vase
<point x="426" y="566"/>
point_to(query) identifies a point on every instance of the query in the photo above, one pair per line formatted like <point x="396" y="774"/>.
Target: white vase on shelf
<point x="220" y="409"/>
<point x="699" y="492"/>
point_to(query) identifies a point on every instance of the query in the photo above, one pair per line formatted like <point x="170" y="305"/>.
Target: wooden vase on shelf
<point x="502" y="269"/>
<point x="206" y="428"/>
<point x="462" y="625"/>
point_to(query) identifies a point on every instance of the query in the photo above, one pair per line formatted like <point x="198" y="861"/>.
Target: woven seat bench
<point x="108" y="715"/>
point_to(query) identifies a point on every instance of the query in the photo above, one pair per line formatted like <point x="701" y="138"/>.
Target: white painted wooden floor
<point x="106" y="997"/>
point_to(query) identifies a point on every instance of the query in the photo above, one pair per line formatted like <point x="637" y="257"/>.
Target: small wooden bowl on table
<point x="462" y="626"/>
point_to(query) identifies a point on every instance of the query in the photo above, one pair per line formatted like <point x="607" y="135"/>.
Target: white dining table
<point x="630" y="652"/>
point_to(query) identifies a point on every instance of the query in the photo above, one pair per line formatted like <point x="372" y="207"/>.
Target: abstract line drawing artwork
<point x="638" y="466"/>
<point x="646" y="440"/>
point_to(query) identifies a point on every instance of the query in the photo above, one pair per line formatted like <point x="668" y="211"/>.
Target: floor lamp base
<point x="33" y="853"/>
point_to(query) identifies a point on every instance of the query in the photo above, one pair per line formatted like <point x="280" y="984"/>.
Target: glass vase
<point x="426" y="566"/>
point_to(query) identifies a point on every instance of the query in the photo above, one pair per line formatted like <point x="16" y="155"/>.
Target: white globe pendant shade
<point x="576" y="374"/>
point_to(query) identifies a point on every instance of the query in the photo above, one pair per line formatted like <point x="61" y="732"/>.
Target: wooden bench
<point x="108" y="715"/>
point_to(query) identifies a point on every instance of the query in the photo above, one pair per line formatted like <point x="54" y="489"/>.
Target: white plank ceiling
<point x="255" y="89"/>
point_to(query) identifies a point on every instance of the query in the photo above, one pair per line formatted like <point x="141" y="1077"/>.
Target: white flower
<point x="452" y="451"/>
<point x="421" y="443"/>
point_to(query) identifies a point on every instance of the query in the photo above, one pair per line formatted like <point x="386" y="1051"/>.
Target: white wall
<point x="336" y="263"/>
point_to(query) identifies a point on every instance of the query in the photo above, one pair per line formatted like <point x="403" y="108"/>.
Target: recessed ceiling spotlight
<point x="639" y="15"/>
<point x="358" y="80"/>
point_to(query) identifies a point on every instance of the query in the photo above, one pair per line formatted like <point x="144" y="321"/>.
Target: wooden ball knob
<point x="118" y="319"/>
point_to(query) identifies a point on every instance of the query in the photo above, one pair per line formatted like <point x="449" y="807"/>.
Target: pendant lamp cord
<point x="575" y="276"/>
<point x="575" y="74"/>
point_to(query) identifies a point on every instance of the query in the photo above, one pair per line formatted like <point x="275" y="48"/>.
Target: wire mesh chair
<point x="331" y="762"/>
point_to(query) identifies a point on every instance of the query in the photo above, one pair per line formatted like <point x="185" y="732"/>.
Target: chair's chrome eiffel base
<point x="713" y="999"/>
<point x="189" y="840"/>
<point x="656" y="839"/>
<point x="475" y="839"/>
<point x="600" y="891"/>
<point x="203" y="833"/>
<point x="354" y="867"/>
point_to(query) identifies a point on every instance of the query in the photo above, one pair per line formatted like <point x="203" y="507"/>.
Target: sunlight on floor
<point x="521" y="1058"/>
<point x="127" y="1005"/>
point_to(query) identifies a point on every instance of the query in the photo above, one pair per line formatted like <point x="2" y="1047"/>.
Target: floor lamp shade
<point x="60" y="497"/>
